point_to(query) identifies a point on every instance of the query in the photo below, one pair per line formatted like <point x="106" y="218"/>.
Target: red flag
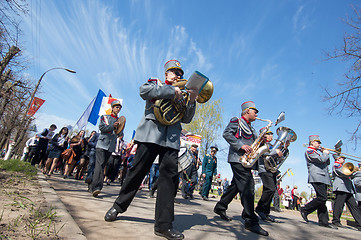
<point x="35" y="105"/>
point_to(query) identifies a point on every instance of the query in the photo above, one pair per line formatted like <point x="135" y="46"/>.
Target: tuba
<point x="249" y="159"/>
<point x="170" y="111"/>
<point x="272" y="162"/>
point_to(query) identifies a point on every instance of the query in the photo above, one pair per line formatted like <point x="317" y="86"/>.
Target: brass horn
<point x="170" y="111"/>
<point x="348" y="169"/>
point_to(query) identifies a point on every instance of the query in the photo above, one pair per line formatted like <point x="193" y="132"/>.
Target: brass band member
<point x="269" y="181"/>
<point x="154" y="138"/>
<point x="318" y="175"/>
<point x="344" y="190"/>
<point x="240" y="135"/>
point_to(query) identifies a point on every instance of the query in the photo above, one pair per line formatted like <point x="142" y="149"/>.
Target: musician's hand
<point x="193" y="93"/>
<point x="326" y="151"/>
<point x="246" y="148"/>
<point x="178" y="93"/>
<point x="116" y="124"/>
<point x="203" y="175"/>
<point x="279" y="152"/>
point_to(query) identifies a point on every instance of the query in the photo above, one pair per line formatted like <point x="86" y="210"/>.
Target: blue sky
<point x="271" y="52"/>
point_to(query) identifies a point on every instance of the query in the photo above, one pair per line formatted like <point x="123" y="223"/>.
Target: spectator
<point x="44" y="137"/>
<point x="295" y="198"/>
<point x="112" y="166"/>
<point x="58" y="145"/>
<point x="77" y="144"/>
<point x="32" y="144"/>
<point x="288" y="197"/>
<point x="92" y="142"/>
<point x="225" y="185"/>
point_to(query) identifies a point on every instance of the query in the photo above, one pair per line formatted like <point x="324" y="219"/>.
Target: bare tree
<point x="346" y="100"/>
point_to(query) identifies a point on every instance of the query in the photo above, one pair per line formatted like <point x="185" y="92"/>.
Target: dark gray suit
<point x="242" y="181"/>
<point x="344" y="190"/>
<point x="154" y="139"/>
<point x="319" y="177"/>
<point x="104" y="148"/>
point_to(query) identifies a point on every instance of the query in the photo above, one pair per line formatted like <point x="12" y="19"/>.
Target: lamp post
<point x="20" y="135"/>
<point x="38" y="83"/>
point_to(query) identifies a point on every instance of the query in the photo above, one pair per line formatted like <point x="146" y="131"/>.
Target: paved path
<point x="194" y="218"/>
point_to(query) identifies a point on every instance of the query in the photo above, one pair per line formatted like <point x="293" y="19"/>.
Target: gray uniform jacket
<point x="357" y="183"/>
<point x="149" y="129"/>
<point x="107" y="138"/>
<point x="238" y="136"/>
<point x="341" y="182"/>
<point x="317" y="165"/>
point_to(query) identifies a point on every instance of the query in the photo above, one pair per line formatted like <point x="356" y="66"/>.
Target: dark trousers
<point x="276" y="200"/>
<point x="168" y="178"/>
<point x="40" y="152"/>
<point x="269" y="188"/>
<point x="341" y="199"/>
<point x="318" y="203"/>
<point x="243" y="184"/>
<point x="101" y="159"/>
<point x="91" y="165"/>
<point x="189" y="180"/>
<point x="31" y="154"/>
<point x="112" y="168"/>
<point x="207" y="184"/>
<point x="295" y="205"/>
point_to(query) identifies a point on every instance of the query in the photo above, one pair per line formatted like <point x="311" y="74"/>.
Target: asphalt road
<point x="194" y="218"/>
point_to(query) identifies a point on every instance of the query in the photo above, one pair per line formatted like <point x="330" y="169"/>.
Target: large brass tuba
<point x="272" y="163"/>
<point x="170" y="111"/>
<point x="249" y="159"/>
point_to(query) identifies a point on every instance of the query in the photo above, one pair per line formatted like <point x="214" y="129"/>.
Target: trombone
<point x="338" y="151"/>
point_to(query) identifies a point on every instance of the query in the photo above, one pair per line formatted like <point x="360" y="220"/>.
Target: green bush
<point x="15" y="165"/>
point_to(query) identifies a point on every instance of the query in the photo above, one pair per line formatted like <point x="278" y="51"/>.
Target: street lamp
<point x="37" y="85"/>
<point x="21" y="134"/>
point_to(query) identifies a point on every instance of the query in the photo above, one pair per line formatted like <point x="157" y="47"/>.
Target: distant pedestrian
<point x="44" y="137"/>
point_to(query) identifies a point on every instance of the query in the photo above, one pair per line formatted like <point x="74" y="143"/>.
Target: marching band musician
<point x="190" y="175"/>
<point x="209" y="169"/>
<point x="318" y="175"/>
<point x="154" y="138"/>
<point x="344" y="190"/>
<point x="357" y="184"/>
<point x="240" y="135"/>
<point x="269" y="180"/>
<point x="106" y="144"/>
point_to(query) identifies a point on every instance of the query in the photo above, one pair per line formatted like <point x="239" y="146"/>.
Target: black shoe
<point x="96" y="193"/>
<point x="185" y="196"/>
<point x="278" y="210"/>
<point x="151" y="193"/>
<point x="257" y="229"/>
<point x="304" y="215"/>
<point x="191" y="196"/>
<point x="111" y="215"/>
<point x="169" y="234"/>
<point x="222" y="214"/>
<point x="270" y="219"/>
<point x="337" y="224"/>
<point x="328" y="225"/>
<point x="262" y="215"/>
<point x="205" y="198"/>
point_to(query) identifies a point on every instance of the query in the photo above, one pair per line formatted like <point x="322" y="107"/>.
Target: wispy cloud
<point x="300" y="20"/>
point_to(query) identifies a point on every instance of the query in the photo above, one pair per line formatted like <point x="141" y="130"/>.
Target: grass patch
<point x="15" y="165"/>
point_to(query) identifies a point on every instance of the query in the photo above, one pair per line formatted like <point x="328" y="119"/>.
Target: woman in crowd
<point x="58" y="144"/>
<point x="77" y="144"/>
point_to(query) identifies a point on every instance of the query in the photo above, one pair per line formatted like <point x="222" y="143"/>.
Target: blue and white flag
<point x="91" y="112"/>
